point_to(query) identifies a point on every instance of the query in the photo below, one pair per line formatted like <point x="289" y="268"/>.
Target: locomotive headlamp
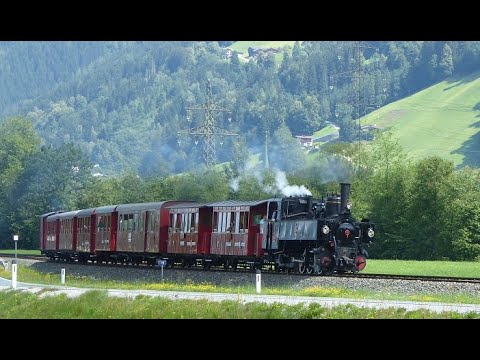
<point x="370" y="232"/>
<point x="349" y="206"/>
<point x="325" y="229"/>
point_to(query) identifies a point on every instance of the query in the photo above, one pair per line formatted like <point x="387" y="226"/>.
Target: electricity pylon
<point x="357" y="74"/>
<point x="208" y="130"/>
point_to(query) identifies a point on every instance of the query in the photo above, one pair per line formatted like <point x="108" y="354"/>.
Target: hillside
<point x="125" y="103"/>
<point x="443" y="119"/>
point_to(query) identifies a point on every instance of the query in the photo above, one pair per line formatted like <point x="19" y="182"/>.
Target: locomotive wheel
<point x="327" y="265"/>
<point x="360" y="262"/>
<point x="302" y="268"/>
<point x="310" y="270"/>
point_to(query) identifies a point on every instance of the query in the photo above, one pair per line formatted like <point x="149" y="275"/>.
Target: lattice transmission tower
<point x="208" y="130"/>
<point x="357" y="74"/>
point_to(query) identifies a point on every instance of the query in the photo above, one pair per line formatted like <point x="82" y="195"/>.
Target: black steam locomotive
<point x="317" y="236"/>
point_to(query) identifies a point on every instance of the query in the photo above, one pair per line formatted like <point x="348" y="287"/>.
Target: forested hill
<point x="30" y="69"/>
<point x="124" y="102"/>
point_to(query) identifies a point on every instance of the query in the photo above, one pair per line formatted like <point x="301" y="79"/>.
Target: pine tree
<point x="446" y="62"/>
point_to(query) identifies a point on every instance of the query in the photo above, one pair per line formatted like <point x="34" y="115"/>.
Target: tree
<point x="446" y="61"/>
<point x="426" y="207"/>
<point x="285" y="151"/>
<point x="382" y="196"/>
<point x="53" y="179"/>
<point x="462" y="215"/>
<point x="18" y="142"/>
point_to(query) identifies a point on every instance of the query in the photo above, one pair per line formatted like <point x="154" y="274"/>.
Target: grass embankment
<point x="97" y="305"/>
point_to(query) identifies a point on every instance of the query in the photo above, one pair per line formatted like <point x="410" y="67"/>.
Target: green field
<point x="327" y="133"/>
<point x="442" y="120"/>
<point x="20" y="252"/>
<point x="467" y="269"/>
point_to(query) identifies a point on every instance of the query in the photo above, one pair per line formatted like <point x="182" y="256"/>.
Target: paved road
<point x="5" y="285"/>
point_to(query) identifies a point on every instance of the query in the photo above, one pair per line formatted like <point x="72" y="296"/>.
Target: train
<point x="286" y="234"/>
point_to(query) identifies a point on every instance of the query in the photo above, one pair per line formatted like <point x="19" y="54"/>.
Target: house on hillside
<point x="255" y="52"/>
<point x="306" y="141"/>
<point x="230" y="52"/>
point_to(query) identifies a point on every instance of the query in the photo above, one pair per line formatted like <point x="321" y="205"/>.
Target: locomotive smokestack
<point x="344" y="195"/>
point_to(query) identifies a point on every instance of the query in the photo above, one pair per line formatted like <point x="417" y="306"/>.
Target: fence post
<point x="14" y="276"/>
<point x="259" y="281"/>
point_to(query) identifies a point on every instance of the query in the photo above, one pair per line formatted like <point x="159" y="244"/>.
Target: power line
<point x="357" y="75"/>
<point x="208" y="130"/>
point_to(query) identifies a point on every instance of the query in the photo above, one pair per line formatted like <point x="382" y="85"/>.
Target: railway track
<point x="193" y="268"/>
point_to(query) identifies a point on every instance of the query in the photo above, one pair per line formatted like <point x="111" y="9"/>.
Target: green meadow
<point x="442" y="120"/>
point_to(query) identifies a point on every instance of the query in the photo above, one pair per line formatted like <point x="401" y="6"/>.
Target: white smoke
<point x="281" y="185"/>
<point x="286" y="189"/>
<point x="235" y="184"/>
<point x="295" y="190"/>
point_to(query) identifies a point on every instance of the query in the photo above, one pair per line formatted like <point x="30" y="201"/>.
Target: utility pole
<point x="357" y="75"/>
<point x="266" y="150"/>
<point x="208" y="130"/>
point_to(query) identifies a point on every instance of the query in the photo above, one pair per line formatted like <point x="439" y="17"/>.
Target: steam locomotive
<point x="297" y="233"/>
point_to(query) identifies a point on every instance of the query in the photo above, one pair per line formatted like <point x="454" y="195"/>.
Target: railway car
<point x="299" y="233"/>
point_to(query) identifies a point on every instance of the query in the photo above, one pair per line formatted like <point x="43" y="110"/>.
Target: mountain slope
<point x="442" y="120"/>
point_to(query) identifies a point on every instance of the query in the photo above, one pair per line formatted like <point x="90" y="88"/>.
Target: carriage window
<point x="156" y="219"/>
<point x="193" y="222"/>
<point x="130" y="222"/>
<point x="215" y="221"/>
<point x="222" y="222"/>
<point x="178" y="222"/>
<point x="141" y="222"/>
<point x="184" y="222"/>
<point x="136" y="225"/>
<point x="151" y="220"/>
<point x="231" y="227"/>
<point x="172" y="221"/>
<point x="124" y="222"/>
<point x="243" y="221"/>
<point x="100" y="224"/>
